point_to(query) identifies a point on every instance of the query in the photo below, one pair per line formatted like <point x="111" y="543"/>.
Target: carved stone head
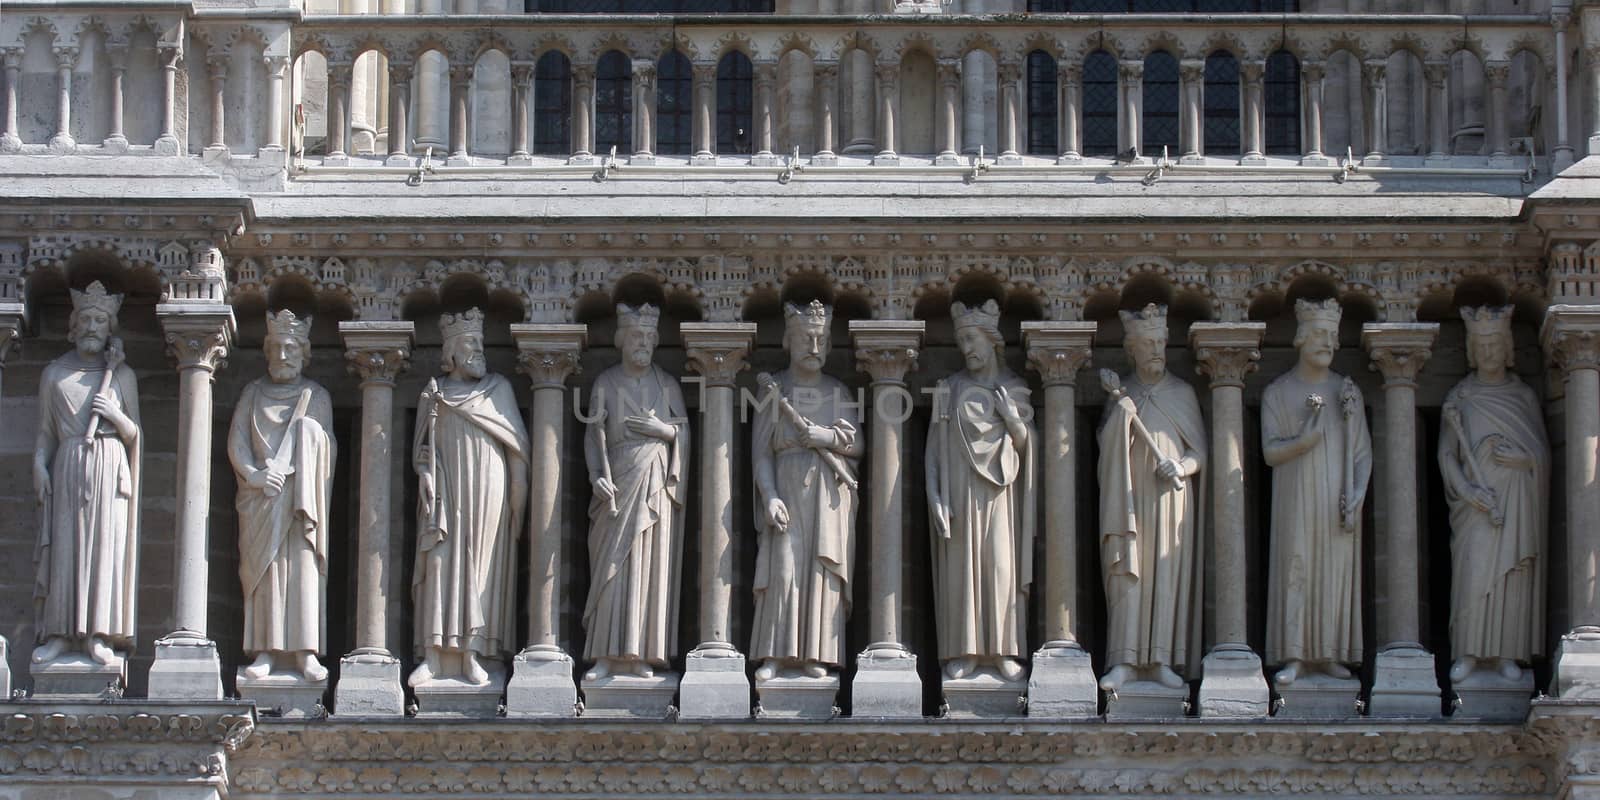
<point x="978" y="334"/>
<point x="1317" y="336"/>
<point x="463" y="345"/>
<point x="1489" y="342"/>
<point x="287" y="345"/>
<point x="806" y="334"/>
<point x="637" y="334"/>
<point x="94" y="318"/>
<point x="1144" y="336"/>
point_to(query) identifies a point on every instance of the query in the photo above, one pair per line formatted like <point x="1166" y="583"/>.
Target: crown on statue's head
<point x="95" y="297"/>
<point x="453" y="325"/>
<point x="643" y="316"/>
<point x="986" y="316"/>
<point x="1148" y="321"/>
<point x="1486" y="320"/>
<point x="811" y="315"/>
<point x="285" y="323"/>
<point x="1317" y="310"/>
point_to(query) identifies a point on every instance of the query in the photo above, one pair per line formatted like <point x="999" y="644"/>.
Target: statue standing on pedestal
<point x="1496" y="465"/>
<point x="471" y="458"/>
<point x="1152" y="448"/>
<point x="805" y="450"/>
<point x="1314" y="436"/>
<point x="637" y="449"/>
<point x="86" y="476"/>
<point x="980" y="473"/>
<point x="282" y="448"/>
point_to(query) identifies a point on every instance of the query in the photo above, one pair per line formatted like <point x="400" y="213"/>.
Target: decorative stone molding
<point x="379" y="356"/>
<point x="199" y="342"/>
<point x="548" y="354"/>
<point x="1399" y="350"/>
<point x="1059" y="351"/>
<point x="1571" y="336"/>
<point x="1226" y="352"/>
<point x="718" y="351"/>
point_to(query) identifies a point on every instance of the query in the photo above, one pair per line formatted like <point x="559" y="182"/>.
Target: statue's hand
<point x="266" y="480"/>
<point x="41" y="481"/>
<point x="425" y="489"/>
<point x="1170" y="468"/>
<point x="1482" y="498"/>
<point x="605" y="488"/>
<point x="1348" y="508"/>
<point x="778" y="514"/>
<point x="1511" y="456"/>
<point x="819" y="437"/>
<point x="650" y="426"/>
<point x="110" y="410"/>
<point x="940" y="515"/>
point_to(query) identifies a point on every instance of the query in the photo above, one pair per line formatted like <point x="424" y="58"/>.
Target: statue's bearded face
<point x="976" y="347"/>
<point x="1489" y="351"/>
<point x="91" y="328"/>
<point x="1149" y="353"/>
<point x="286" y="358"/>
<point x="808" y="347"/>
<point x="466" y="357"/>
<point x="638" y="345"/>
<point x="1317" y="341"/>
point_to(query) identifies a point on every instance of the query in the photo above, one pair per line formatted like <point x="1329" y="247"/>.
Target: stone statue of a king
<point x="1314" y="437"/>
<point x="1496" y="466"/>
<point x="980" y="474"/>
<point x="1152" y="448"/>
<point x="471" y="459"/>
<point x="637" y="450"/>
<point x="86" y="476"/>
<point x="805" y="450"/>
<point x="282" y="449"/>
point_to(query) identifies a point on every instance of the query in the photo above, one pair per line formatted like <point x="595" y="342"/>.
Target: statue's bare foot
<point x="959" y="668"/>
<point x="311" y="668"/>
<point x="643" y="669"/>
<point x="1166" y="677"/>
<point x="601" y="668"/>
<point x="1115" y="677"/>
<point x="472" y="670"/>
<point x="259" y="668"/>
<point x="815" y="669"/>
<point x="1462" y="667"/>
<point x="768" y="670"/>
<point x="1009" y="668"/>
<point x="100" y="651"/>
<point x="1288" y="674"/>
<point x="1509" y="669"/>
<point x="426" y="670"/>
<point x="1337" y="670"/>
<point x="50" y="650"/>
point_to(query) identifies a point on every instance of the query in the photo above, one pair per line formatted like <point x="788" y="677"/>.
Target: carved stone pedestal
<point x="1577" y="667"/>
<point x="369" y="686"/>
<point x="798" y="697"/>
<point x="984" y="695"/>
<point x="630" y="696"/>
<point x="284" y="694"/>
<point x="1487" y="696"/>
<point x="1319" y="696"/>
<point x="1233" y="686"/>
<point x="714" y="685"/>
<point x="77" y="676"/>
<point x="1062" y="684"/>
<point x="541" y="685"/>
<point x="1145" y="700"/>
<point x="886" y="686"/>
<point x="186" y="668"/>
<point x="1405" y="685"/>
<point x="453" y="697"/>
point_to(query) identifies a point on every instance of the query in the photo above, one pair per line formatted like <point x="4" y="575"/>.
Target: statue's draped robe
<point x="1150" y="542"/>
<point x="465" y="579"/>
<point x="87" y="556"/>
<point x="1314" y="580"/>
<point x="634" y="557"/>
<point x="1497" y="586"/>
<point x="283" y="539"/>
<point x="802" y="582"/>
<point x="983" y="572"/>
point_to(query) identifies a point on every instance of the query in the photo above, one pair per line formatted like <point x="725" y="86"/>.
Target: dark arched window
<point x="1160" y="95"/>
<point x="552" y="104"/>
<point x="1161" y="6"/>
<point x="735" y="104"/>
<point x="1282" y="90"/>
<point x="674" y="104"/>
<point x="1100" y="104"/>
<point x="1222" y="103"/>
<point x="613" y="103"/>
<point x="1042" y="103"/>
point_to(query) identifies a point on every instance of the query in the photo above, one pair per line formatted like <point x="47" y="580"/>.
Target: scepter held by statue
<point x="769" y="383"/>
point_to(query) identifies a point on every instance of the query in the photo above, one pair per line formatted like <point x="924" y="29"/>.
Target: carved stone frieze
<point x="127" y="744"/>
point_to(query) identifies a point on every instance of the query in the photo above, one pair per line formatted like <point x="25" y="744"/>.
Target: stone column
<point x="888" y="113"/>
<point x="541" y="675"/>
<point x="886" y="682"/>
<point x="949" y="123"/>
<point x="116" y="140"/>
<point x="1192" y="89"/>
<point x="1010" y="76"/>
<point x="167" y="142"/>
<point x="714" y="681"/>
<point x="705" y="120"/>
<point x="1253" y="76"/>
<point x="862" y="70"/>
<point x="1497" y="74"/>
<point x="1069" y="80"/>
<point x="13" y="316"/>
<point x="1062" y="685"/>
<point x="277" y="67"/>
<point x="521" y="103"/>
<point x="10" y="140"/>
<point x="582" y="114"/>
<point x="1571" y="337"/>
<point x="1563" y="156"/>
<point x="827" y="90"/>
<point x="1404" y="684"/>
<point x="399" y="99"/>
<point x="66" y="59"/>
<point x="369" y="676"/>
<point x="339" y="77"/>
<point x="460" y="97"/>
<point x="1233" y="684"/>
<point x="1438" y="114"/>
<point x="1373" y="73"/>
<point x="1312" y="73"/>
<point x="766" y="82"/>
<point x="644" y="112"/>
<point x="198" y="335"/>
<point x="1132" y="75"/>
<point x="217" y="74"/>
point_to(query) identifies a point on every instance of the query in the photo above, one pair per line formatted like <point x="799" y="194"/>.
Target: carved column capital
<point x="1437" y="73"/>
<point x="767" y="72"/>
<point x="1313" y="71"/>
<point x="1571" y="336"/>
<point x="340" y="73"/>
<point x="1496" y="73"/>
<point x="1252" y="71"/>
<point x="11" y="58"/>
<point x="377" y="351"/>
<point x="522" y="75"/>
<point x="1226" y="351"/>
<point x="1069" y="74"/>
<point x="886" y="349"/>
<point x="460" y="76"/>
<point x="13" y="316"/>
<point x="548" y="353"/>
<point x="66" y="57"/>
<point x="827" y="72"/>
<point x="582" y="74"/>
<point x="949" y="72"/>
<point x="1058" y="350"/>
<point x="1192" y="70"/>
<point x="400" y="72"/>
<point x="1131" y="70"/>
<point x="1374" y="71"/>
<point x="198" y="335"/>
<point x="717" y="350"/>
<point x="1399" y="350"/>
